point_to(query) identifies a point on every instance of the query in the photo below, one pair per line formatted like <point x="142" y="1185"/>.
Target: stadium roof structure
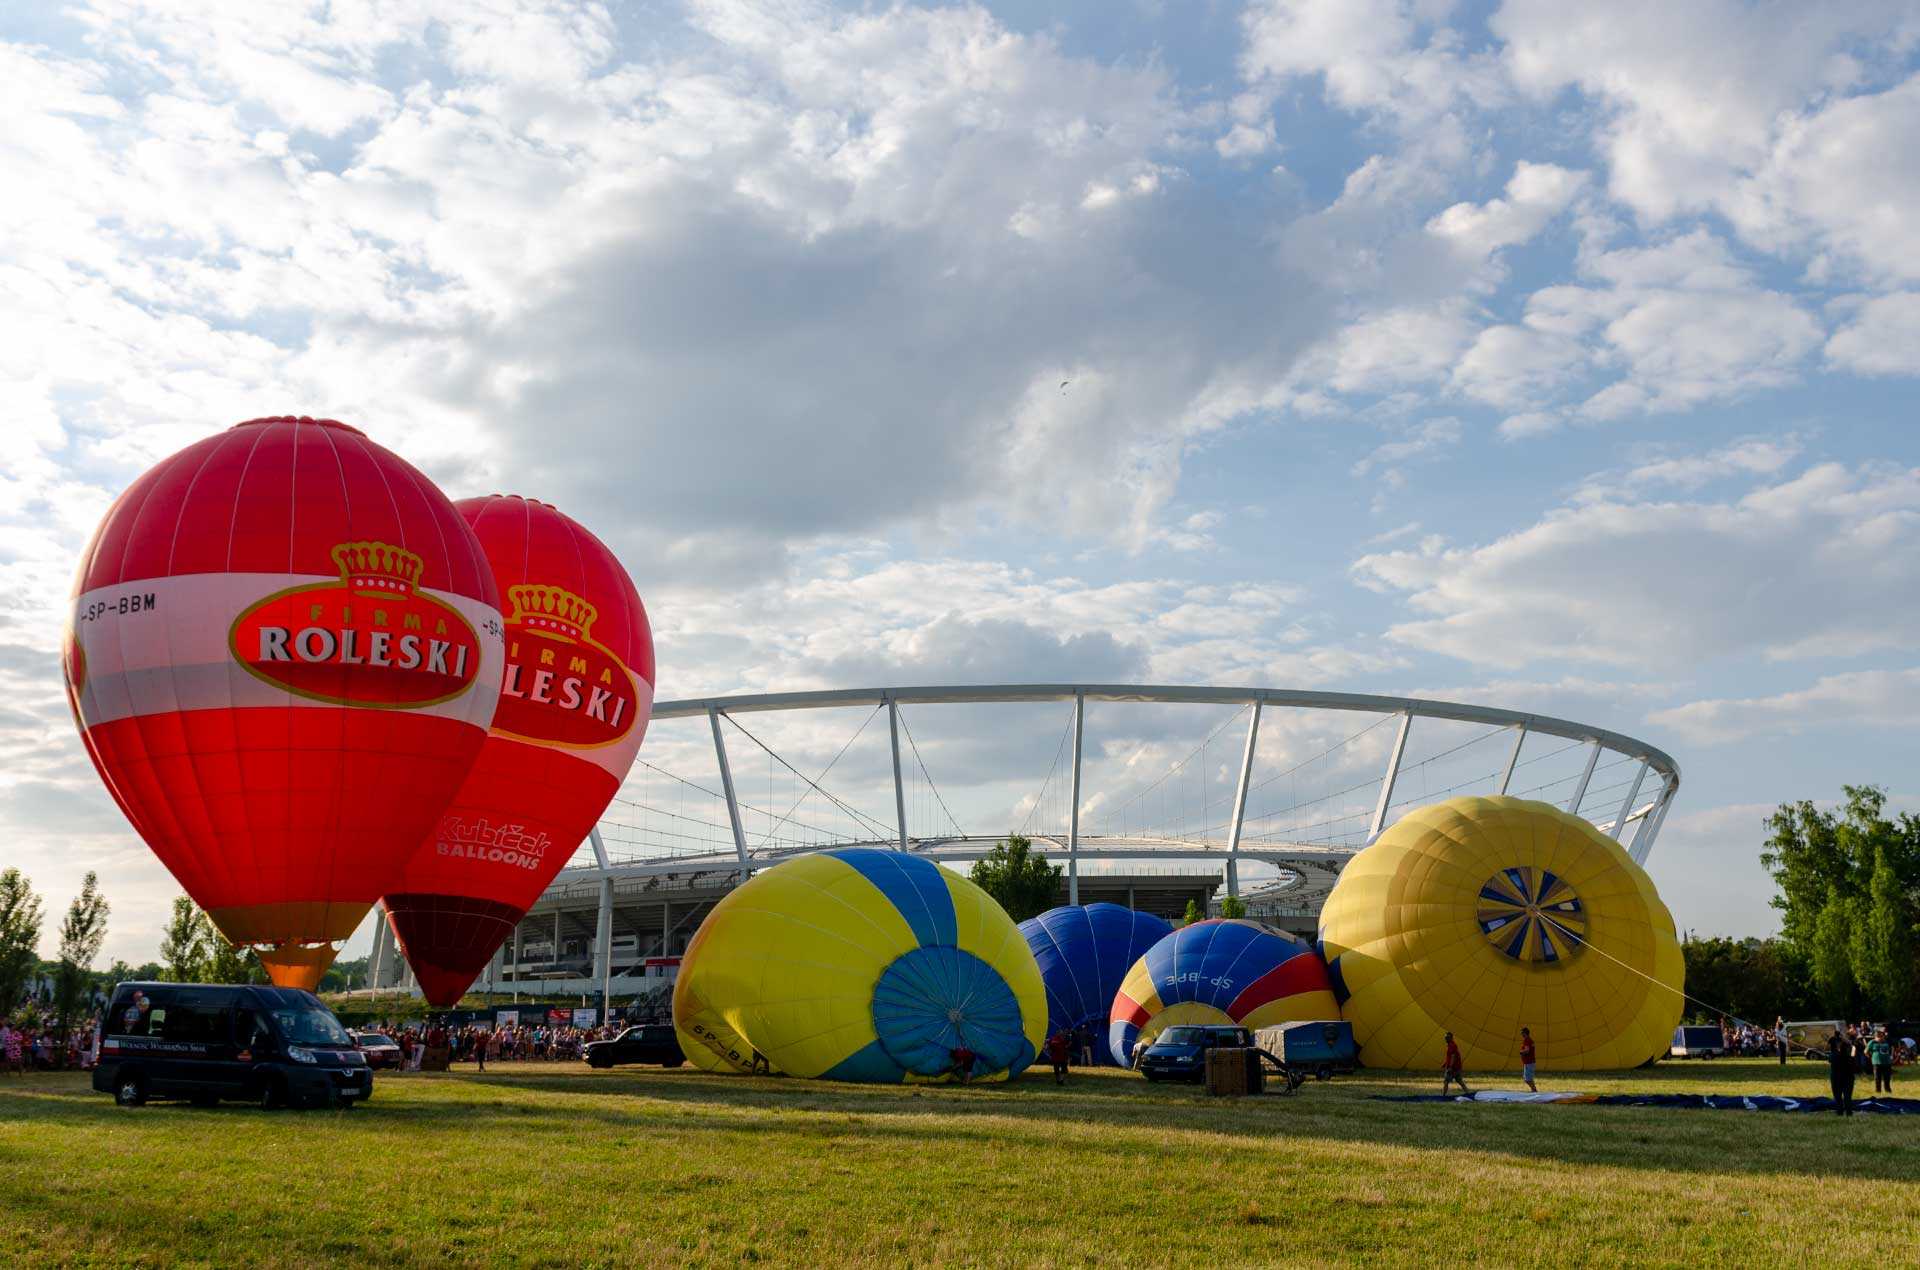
<point x="1315" y="865"/>
<point x="1635" y="788"/>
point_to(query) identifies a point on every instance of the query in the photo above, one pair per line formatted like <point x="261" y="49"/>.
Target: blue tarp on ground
<point x="1695" y="1102"/>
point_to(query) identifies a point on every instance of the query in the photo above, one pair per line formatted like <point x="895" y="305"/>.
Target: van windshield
<point x="310" y="1027"/>
<point x="1184" y="1036"/>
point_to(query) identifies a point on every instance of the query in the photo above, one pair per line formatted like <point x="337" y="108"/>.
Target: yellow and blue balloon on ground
<point x="1480" y="916"/>
<point x="860" y="965"/>
<point x="1223" y="970"/>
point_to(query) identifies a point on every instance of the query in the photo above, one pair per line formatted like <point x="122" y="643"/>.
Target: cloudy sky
<point x="1561" y="359"/>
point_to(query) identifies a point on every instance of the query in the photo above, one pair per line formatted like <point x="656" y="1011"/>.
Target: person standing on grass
<point x="1057" y="1055"/>
<point x="1450" y="1069"/>
<point x="1880" y="1054"/>
<point x="1780" y="1038"/>
<point x="1840" y="1072"/>
<point x="1083" y="1045"/>
<point x="1526" y="1059"/>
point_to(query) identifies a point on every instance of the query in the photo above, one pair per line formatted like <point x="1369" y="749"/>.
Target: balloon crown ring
<point x="378" y="567"/>
<point x="1532" y="915"/>
<point x="552" y="609"/>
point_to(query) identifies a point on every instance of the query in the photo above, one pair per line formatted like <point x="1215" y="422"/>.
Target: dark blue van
<point x="207" y="1042"/>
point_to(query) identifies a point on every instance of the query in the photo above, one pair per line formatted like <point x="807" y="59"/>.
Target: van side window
<point x="195" y="1018"/>
<point x="249" y="1029"/>
<point x="134" y="1015"/>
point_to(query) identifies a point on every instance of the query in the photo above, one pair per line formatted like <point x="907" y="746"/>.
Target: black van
<point x="206" y="1042"/>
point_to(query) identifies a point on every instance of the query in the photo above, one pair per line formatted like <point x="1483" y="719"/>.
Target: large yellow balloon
<point x="1481" y="916"/>
<point x="860" y="965"/>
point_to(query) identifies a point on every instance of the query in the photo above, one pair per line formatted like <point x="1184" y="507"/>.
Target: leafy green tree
<point x="1848" y="891"/>
<point x="1023" y="881"/>
<point x="184" y="943"/>
<point x="1883" y="942"/>
<point x="1833" y="955"/>
<point x="228" y="964"/>
<point x="81" y="933"/>
<point x="1757" y="980"/>
<point x="1233" y="906"/>
<point x="1193" y="914"/>
<point x="19" y="936"/>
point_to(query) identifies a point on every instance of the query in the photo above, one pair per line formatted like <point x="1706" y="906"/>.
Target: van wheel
<point x="131" y="1091"/>
<point x="675" y="1063"/>
<point x="273" y="1094"/>
<point x="1323" y="1073"/>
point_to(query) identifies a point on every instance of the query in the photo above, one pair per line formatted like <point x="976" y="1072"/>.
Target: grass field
<point x="557" y="1164"/>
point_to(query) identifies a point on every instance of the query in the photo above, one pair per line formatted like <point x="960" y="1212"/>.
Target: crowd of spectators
<point x="535" y="1042"/>
<point x="30" y="1041"/>
<point x="1750" y="1040"/>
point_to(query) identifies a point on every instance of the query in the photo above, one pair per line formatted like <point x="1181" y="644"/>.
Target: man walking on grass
<point x="1526" y="1059"/>
<point x="1450" y="1069"/>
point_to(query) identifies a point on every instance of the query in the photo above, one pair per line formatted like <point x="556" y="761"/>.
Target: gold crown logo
<point x="378" y="568"/>
<point x="551" y="608"/>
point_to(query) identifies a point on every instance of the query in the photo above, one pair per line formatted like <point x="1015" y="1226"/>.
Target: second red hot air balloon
<point x="574" y="701"/>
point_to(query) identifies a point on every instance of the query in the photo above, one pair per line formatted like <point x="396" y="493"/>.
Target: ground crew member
<point x="1526" y="1059"/>
<point x="1450" y="1069"/>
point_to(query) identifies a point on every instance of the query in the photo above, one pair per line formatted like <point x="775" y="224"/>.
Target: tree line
<point x="69" y="981"/>
<point x="191" y="951"/>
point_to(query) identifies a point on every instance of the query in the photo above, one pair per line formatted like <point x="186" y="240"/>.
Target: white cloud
<point x="1882" y="336"/>
<point x="1866" y="698"/>
<point x="1776" y="115"/>
<point x="1826" y="563"/>
<point x="1422" y="440"/>
<point x="1537" y="193"/>
<point x="1388" y="57"/>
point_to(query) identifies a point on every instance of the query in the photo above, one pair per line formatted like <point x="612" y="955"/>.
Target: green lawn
<point x="538" y="1163"/>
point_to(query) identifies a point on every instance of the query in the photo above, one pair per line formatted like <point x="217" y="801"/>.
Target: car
<point x="1180" y="1052"/>
<point x="207" y="1042"/>
<point x="1697" y="1042"/>
<point x="645" y="1043"/>
<point x="379" y="1049"/>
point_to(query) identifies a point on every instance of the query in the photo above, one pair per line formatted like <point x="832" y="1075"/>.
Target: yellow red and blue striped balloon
<point x="1480" y="916"/>
<point x="1222" y="970"/>
<point x="860" y="965"/>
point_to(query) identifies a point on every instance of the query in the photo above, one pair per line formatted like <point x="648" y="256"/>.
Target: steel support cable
<point x="1051" y="769"/>
<point x="1174" y="770"/>
<point x="1324" y="798"/>
<point x="711" y="793"/>
<point x="823" y="775"/>
<point x="882" y="832"/>
<point x="1338" y="745"/>
<point x="934" y="788"/>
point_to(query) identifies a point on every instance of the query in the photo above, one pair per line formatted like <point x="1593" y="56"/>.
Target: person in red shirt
<point x="1058" y="1053"/>
<point x="1526" y="1059"/>
<point x="962" y="1062"/>
<point x="1450" y="1069"/>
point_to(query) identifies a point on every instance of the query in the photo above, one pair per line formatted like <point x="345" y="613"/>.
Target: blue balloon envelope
<point x="1084" y="953"/>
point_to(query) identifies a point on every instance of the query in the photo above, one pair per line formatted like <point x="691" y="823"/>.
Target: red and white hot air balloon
<point x="574" y="702"/>
<point x="284" y="655"/>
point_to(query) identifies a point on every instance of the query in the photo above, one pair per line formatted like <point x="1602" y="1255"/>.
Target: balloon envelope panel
<point x="574" y="701"/>
<point x="859" y="965"/>
<point x="1223" y="970"/>
<point x="1083" y="954"/>
<point x="283" y="657"/>
<point x="1481" y="916"/>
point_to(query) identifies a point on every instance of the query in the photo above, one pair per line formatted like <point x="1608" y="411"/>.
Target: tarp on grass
<point x="1693" y="1102"/>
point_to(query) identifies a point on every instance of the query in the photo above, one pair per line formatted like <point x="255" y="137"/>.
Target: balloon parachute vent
<point x="308" y="420"/>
